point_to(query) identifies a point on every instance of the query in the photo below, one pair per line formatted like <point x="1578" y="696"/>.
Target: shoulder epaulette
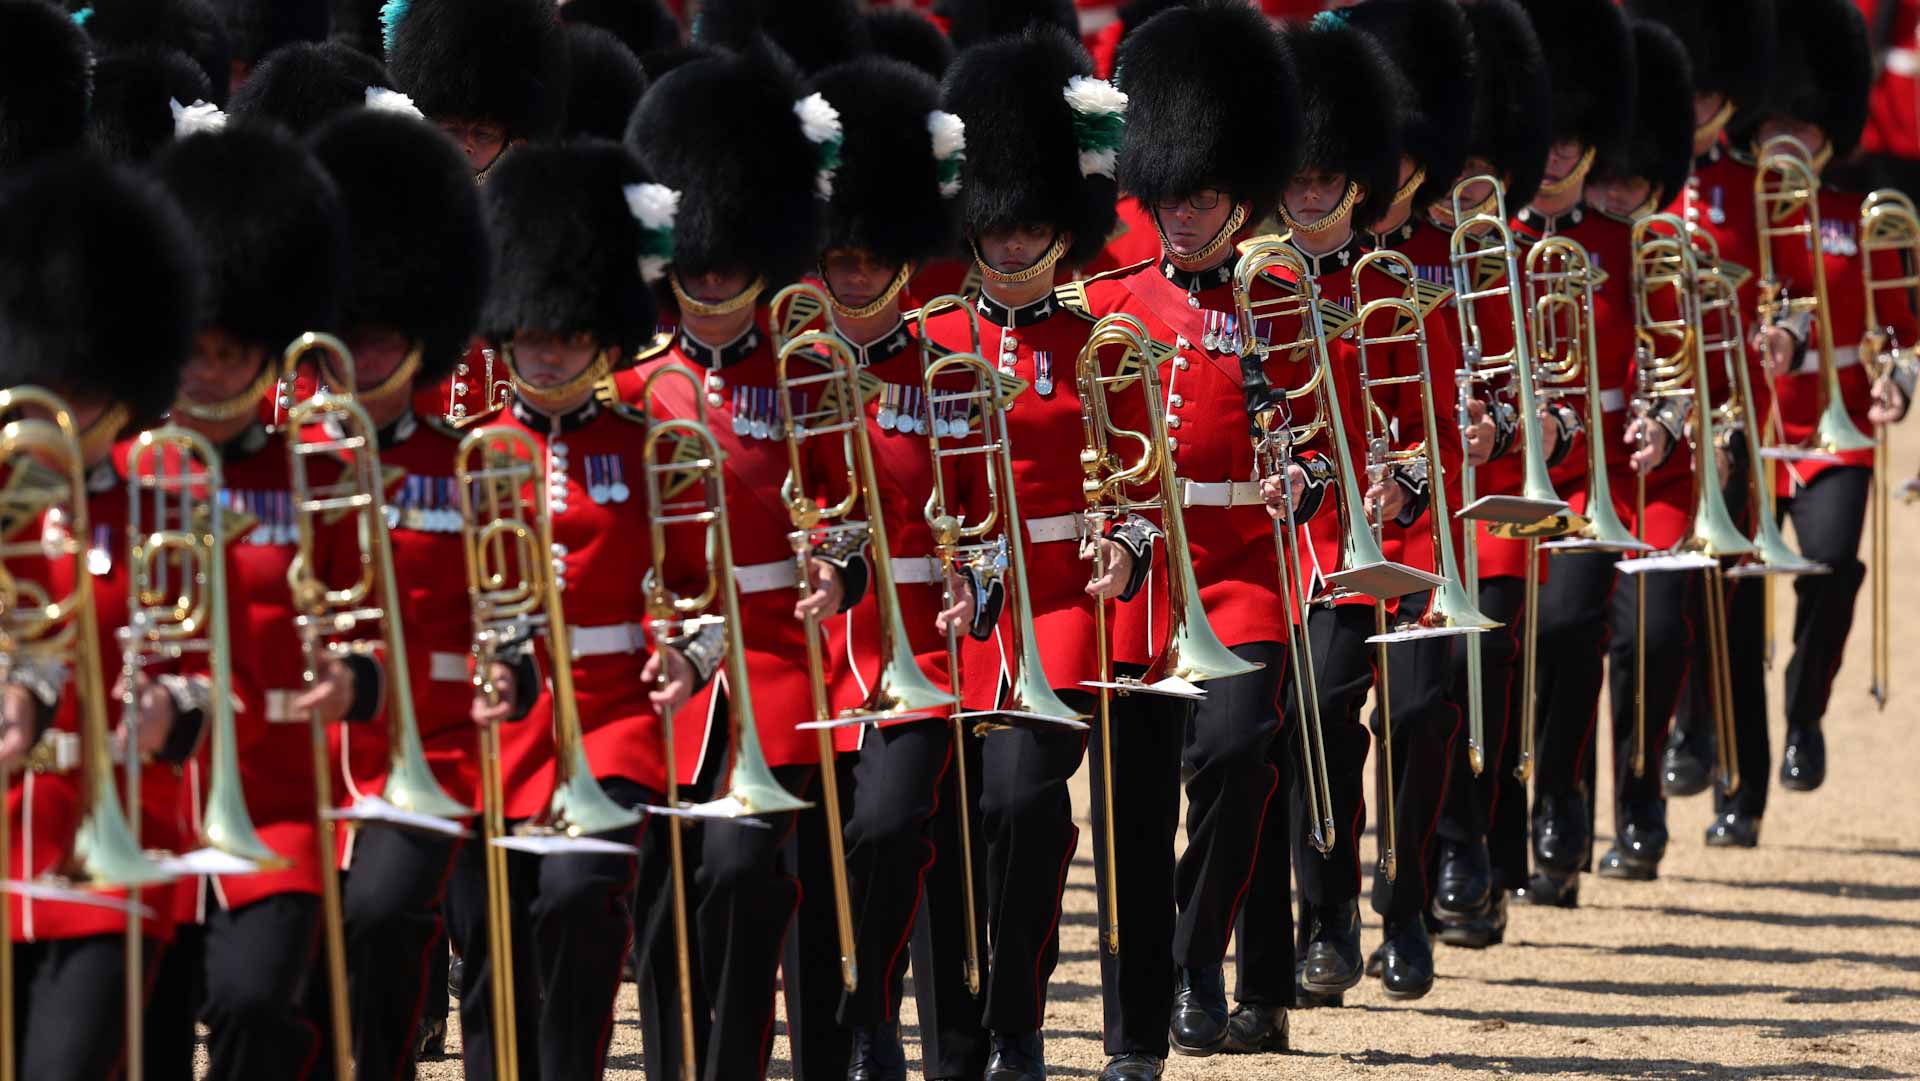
<point x="1743" y="156"/>
<point x="659" y="344"/>
<point x="1117" y="272"/>
<point x="606" y="392"/>
<point x="630" y="413"/>
<point x="472" y="420"/>
<point x="803" y="309"/>
<point x="439" y="424"/>
<point x="1335" y="317"/>
<point x="1429" y="295"/>
<point x="1736" y="275"/>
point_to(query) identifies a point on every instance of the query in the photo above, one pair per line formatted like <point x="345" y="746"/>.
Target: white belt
<point x="1613" y="400"/>
<point x="280" y="708"/>
<point x="915" y="570"/>
<point x="1224" y="493"/>
<point x="1903" y="62"/>
<point x="1060" y="527"/>
<point x="1846" y="357"/>
<point x="762" y="577"/>
<point x="607" y="639"/>
<point x="447" y="667"/>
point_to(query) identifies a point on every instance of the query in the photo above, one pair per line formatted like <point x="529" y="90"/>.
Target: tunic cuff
<point x="1137" y="536"/>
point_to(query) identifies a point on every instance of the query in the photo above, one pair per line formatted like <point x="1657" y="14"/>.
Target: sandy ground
<point x="1797" y="960"/>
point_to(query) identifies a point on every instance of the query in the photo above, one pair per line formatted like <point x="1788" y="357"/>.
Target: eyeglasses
<point x="1199" y="200"/>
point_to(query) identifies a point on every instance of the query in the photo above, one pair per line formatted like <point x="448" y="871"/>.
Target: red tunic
<point x="741" y="379"/>
<point x="1234" y="557"/>
<point x="1038" y="344"/>
<point x="1669" y="489"/>
<point x="593" y="460"/>
<point x="429" y="563"/>
<point x="43" y="808"/>
<point x="1800" y="393"/>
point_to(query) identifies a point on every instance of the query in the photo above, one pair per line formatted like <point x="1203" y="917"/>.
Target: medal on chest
<point x="272" y="510"/>
<point x="1221" y="332"/>
<point x="756" y="413"/>
<point x="1043" y="373"/>
<point x="606" y="479"/>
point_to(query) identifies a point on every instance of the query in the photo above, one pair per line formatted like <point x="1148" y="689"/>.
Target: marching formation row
<point x="695" y="511"/>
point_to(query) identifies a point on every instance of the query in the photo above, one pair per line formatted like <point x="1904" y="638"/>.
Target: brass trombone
<point x="975" y="543"/>
<point x="1451" y="609"/>
<point x="1888" y="225"/>
<point x="40" y="629"/>
<point x="1486" y="267"/>
<point x="357" y="619"/>
<point x="900" y="689"/>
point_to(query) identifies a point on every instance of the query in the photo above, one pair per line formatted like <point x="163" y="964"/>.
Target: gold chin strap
<point x="237" y="406"/>
<point x="1553" y="189"/>
<point x="1650" y="205"/>
<point x="1822" y="157"/>
<point x="1412" y="185"/>
<point x="879" y="304"/>
<point x="1333" y="217"/>
<point x="743" y="299"/>
<point x="97" y="439"/>
<point x="551" y="398"/>
<point x="1201" y="259"/>
<point x="1045" y="264"/>
<point x="480" y="178"/>
<point x="401" y="378"/>
<point x="1711" y="129"/>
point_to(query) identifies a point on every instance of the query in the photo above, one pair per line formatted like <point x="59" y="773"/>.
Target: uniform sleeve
<point x="844" y="550"/>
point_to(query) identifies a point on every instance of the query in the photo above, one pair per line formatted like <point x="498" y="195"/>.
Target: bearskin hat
<point x="303" y="84"/>
<point x="732" y="134"/>
<point x="644" y="26"/>
<point x="1211" y="102"/>
<point x="46" y="81"/>
<point x="356" y="24"/>
<point x="905" y="34"/>
<point x="258" y="27"/>
<point x="1431" y="47"/>
<point x="99" y="282"/>
<point x="606" y="82"/>
<point x="1660" y="148"/>
<point x="970" y="22"/>
<point x="568" y="244"/>
<point x="1823" y="73"/>
<point x="1589" y="53"/>
<point x="1350" y="111"/>
<point x="192" y="26"/>
<point x="816" y="34"/>
<point x="134" y="94"/>
<point x="894" y="191"/>
<point x="1730" y="43"/>
<point x="270" y="224"/>
<point x="420" y="257"/>
<point x="1510" y="130"/>
<point x="499" y="60"/>
<point x="1042" y="137"/>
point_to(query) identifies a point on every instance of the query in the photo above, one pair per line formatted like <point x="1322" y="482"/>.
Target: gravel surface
<point x="1798" y="959"/>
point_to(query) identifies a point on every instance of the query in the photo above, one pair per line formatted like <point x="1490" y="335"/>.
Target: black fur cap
<point x="606" y="82"/>
<point x="1660" y="148"/>
<point x="1731" y="43"/>
<point x="1589" y="53"/>
<point x="304" y="84"/>
<point x="46" y="81"/>
<point x="1431" y="46"/>
<point x="1351" y="111"/>
<point x="499" y="60"/>
<point x="1510" y="129"/>
<point x="887" y="194"/>
<point x="133" y="92"/>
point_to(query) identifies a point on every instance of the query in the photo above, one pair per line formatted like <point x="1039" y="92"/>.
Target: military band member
<point x="1640" y="181"/>
<point x="1820" y="86"/>
<point x="1207" y="168"/>
<point x="1589" y="51"/>
<point x="141" y="100"/>
<point x="1731" y="49"/>
<point x="102" y="277"/>
<point x="1483" y="823"/>
<point x="420" y="268"/>
<point x="567" y="303"/>
<point x="749" y="206"/>
<point x="894" y="207"/>
<point x="271" y="224"/>
<point x="1037" y="195"/>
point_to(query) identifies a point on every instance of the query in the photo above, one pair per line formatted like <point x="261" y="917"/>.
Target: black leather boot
<point x="1466" y="879"/>
<point x="1332" y="963"/>
<point x="877" y="1054"/>
<point x="1199" y="1025"/>
<point x="1255" y="1030"/>
<point x="1406" y="968"/>
<point x="1017" y="1057"/>
<point x="1803" y="764"/>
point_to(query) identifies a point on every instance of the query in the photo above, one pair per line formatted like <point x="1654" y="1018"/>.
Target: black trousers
<point x="1493" y="805"/>
<point x="1263" y="925"/>
<point x="1828" y="518"/>
<point x="1026" y="818"/>
<point x="570" y="924"/>
<point x="1425" y="724"/>
<point x="69" y="1012"/>
<point x="1672" y="599"/>
<point x="1343" y="668"/>
<point x="896" y="787"/>
<point x="248" y="973"/>
<point x="1693" y="721"/>
<point x="1136" y="984"/>
<point x="392" y="901"/>
<point x="953" y="1039"/>
<point x="1576" y="605"/>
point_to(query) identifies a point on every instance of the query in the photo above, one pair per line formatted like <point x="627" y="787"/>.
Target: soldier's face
<point x="1011" y="249"/>
<point x="1191" y="222"/>
<point x="856" y="276"/>
<point x="714" y="286"/>
<point x="1563" y="157"/>
<point x="481" y="140"/>
<point x="377" y="353"/>
<point x="1313" y="195"/>
<point x="1809" y="134"/>
<point x="220" y="367"/>
<point x="546" y="360"/>
<point x="1621" y="198"/>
